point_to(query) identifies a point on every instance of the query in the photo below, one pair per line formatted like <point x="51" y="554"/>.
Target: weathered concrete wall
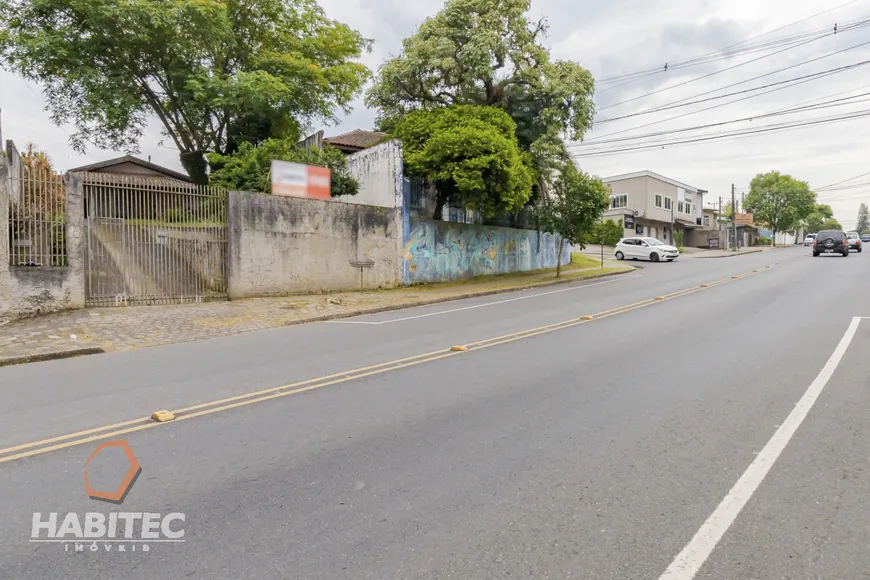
<point x="30" y="291"/>
<point x="438" y="251"/>
<point x="283" y="245"/>
<point x="379" y="171"/>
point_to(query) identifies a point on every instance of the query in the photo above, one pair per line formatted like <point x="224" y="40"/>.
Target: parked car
<point x="854" y="241"/>
<point x="645" y="249"/>
<point x="865" y="238"/>
<point x="831" y="242"/>
<point x="808" y="241"/>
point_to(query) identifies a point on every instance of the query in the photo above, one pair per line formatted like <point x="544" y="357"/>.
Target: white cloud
<point x="611" y="38"/>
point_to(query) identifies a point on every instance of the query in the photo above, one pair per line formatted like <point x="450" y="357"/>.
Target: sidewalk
<point x="98" y="330"/>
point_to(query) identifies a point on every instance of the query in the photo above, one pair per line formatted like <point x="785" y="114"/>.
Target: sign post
<point x="362" y="265"/>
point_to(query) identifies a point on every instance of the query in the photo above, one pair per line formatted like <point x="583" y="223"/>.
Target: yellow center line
<point x="140" y="424"/>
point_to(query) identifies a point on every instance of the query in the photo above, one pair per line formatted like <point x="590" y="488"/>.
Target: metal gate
<point x="153" y="241"/>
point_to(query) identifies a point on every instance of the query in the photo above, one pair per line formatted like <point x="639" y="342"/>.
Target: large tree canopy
<point x="215" y="73"/>
<point x="863" y="223"/>
<point x="471" y="154"/>
<point x="779" y="202"/>
<point x="248" y="168"/>
<point x="488" y="53"/>
<point x="821" y="215"/>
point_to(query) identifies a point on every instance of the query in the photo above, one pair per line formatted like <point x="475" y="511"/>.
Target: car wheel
<point x="846" y="254"/>
<point x="620" y="256"/>
<point x="815" y="254"/>
<point x="654" y="257"/>
<point x="859" y="250"/>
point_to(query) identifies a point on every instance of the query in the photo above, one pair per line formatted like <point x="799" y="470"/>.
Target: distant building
<point x="654" y="205"/>
<point x="129" y="165"/>
<point x="356" y="140"/>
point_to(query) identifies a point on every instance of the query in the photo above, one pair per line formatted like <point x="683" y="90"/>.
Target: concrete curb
<point x="440" y="300"/>
<point x="60" y="354"/>
<point x="69" y="353"/>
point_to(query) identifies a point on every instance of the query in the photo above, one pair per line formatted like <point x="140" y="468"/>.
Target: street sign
<point x="298" y="180"/>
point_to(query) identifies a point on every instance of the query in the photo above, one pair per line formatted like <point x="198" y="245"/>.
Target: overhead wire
<point x="659" y="69"/>
<point x="742" y="92"/>
<point x="855" y="26"/>
<point x="601" y="139"/>
<point x="799" y="108"/>
<point x="760" y="130"/>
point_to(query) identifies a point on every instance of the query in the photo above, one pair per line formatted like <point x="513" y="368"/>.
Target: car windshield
<point x="653" y="242"/>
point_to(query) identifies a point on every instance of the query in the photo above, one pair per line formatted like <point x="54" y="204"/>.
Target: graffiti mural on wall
<point x="438" y="251"/>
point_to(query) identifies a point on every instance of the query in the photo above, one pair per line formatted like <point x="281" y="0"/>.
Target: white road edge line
<point x="699" y="548"/>
<point x="485" y="304"/>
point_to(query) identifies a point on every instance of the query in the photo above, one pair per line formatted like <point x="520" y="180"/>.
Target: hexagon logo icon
<point x="113" y="471"/>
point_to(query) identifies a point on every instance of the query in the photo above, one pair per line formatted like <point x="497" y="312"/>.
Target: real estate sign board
<point x="298" y="180"/>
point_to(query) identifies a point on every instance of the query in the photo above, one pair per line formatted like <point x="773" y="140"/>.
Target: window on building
<point x="680" y="207"/>
<point x="706" y="220"/>
<point x="668" y="203"/>
<point x="658" y="200"/>
<point x="617" y="201"/>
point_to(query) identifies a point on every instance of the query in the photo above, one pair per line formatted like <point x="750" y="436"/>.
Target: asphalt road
<point x="595" y="451"/>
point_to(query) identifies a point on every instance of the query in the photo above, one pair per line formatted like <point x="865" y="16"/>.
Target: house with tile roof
<point x="355" y="140"/>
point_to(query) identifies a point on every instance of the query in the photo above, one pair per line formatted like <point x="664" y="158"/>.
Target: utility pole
<point x="734" y="217"/>
<point x="719" y="222"/>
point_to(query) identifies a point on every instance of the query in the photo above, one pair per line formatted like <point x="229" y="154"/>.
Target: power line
<point x="744" y="98"/>
<point x="844" y="181"/>
<point x="856" y="26"/>
<point x="760" y="130"/>
<point x="656" y="70"/>
<point x="795" y="109"/>
<point x="744" y="91"/>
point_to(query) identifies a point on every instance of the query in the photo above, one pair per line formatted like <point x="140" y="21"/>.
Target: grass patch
<point x="579" y="260"/>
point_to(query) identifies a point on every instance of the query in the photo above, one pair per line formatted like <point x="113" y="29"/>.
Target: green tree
<point x="816" y="220"/>
<point x="573" y="208"/>
<point x="606" y="233"/>
<point x="779" y="201"/>
<point x="863" y="225"/>
<point x="489" y="53"/>
<point x="831" y="224"/>
<point x="471" y="155"/>
<point x="214" y="73"/>
<point x="248" y="168"/>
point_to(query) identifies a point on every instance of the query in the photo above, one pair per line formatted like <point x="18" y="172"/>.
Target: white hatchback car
<point x="645" y="249"/>
<point x="808" y="241"/>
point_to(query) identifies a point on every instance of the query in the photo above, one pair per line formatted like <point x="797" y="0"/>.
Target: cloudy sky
<point x="625" y="36"/>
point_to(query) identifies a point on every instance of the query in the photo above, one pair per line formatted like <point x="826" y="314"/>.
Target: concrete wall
<point x="379" y="170"/>
<point x="30" y="291"/>
<point x="284" y="245"/>
<point x="438" y="251"/>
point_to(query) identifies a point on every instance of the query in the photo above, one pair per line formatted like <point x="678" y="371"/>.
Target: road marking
<point x="440" y="312"/>
<point x="132" y="426"/>
<point x="699" y="548"/>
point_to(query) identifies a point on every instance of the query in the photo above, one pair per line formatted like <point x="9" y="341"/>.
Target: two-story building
<point x="653" y="205"/>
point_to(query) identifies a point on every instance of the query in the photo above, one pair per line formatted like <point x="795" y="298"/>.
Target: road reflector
<point x="162" y="416"/>
<point x="459" y="348"/>
<point x="734" y="277"/>
<point x="587" y="317"/>
<point x="705" y="285"/>
<point x="660" y="297"/>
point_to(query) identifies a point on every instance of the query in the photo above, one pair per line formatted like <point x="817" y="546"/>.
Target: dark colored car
<point x="831" y="242"/>
<point x="854" y="239"/>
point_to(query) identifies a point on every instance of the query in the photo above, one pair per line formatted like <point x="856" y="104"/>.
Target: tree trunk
<point x="196" y="166"/>
<point x="440" y="201"/>
<point x="559" y="258"/>
<point x="772" y="237"/>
